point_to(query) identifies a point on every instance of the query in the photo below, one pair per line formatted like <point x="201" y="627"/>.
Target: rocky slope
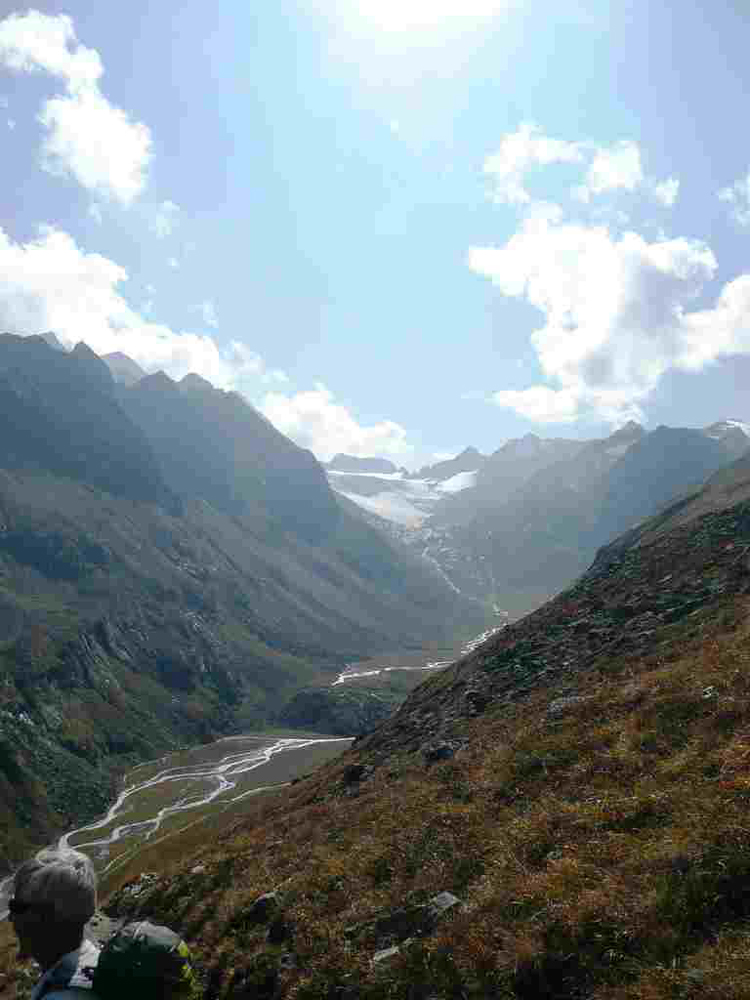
<point x="560" y="814"/>
<point x="339" y="711"/>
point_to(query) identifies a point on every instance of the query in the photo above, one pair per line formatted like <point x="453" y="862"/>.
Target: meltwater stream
<point x="201" y="779"/>
<point x="350" y="672"/>
<point x="197" y="785"/>
<point x="210" y="777"/>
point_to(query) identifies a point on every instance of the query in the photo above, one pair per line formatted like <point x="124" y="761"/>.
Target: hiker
<point x="54" y="895"/>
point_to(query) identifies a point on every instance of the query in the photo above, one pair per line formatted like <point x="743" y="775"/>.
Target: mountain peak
<point x="630" y="431"/>
<point x="728" y="426"/>
<point x="193" y="381"/>
<point x="352" y="463"/>
<point x="157" y="381"/>
<point x="50" y="338"/>
<point x="124" y="369"/>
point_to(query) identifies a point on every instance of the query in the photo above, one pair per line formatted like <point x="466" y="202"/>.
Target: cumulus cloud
<point x="50" y="283"/>
<point x="88" y="138"/>
<point x="316" y="421"/>
<point x="608" y="168"/>
<point x="165" y="219"/>
<point x="737" y="196"/>
<point x="518" y="153"/>
<point x="614" y="304"/>
<point x="615" y="315"/>
<point x="613" y="168"/>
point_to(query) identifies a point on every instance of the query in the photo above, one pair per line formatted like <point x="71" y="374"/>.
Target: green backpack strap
<point x="147" y="962"/>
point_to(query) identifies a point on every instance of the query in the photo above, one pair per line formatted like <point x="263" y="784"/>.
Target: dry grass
<point x="604" y="854"/>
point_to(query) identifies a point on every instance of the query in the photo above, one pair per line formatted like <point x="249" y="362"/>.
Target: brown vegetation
<point x="593" y="819"/>
<point x="603" y="853"/>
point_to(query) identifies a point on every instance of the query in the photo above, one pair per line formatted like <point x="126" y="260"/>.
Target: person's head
<point x="54" y="894"/>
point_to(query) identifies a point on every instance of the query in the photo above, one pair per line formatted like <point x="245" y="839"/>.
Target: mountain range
<point x="530" y="517"/>
<point x="172" y="568"/>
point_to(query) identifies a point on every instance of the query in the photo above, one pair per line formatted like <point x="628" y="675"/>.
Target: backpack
<point x="147" y="962"/>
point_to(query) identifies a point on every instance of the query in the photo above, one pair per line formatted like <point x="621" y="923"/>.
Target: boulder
<point x="354" y="773"/>
<point x="262" y="909"/>
<point x="561" y="705"/>
<point x="438" y="751"/>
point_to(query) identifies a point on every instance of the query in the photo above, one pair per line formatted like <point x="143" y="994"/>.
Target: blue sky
<point x="398" y="228"/>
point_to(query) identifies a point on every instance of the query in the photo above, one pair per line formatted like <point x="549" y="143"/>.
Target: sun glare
<point x="406" y="15"/>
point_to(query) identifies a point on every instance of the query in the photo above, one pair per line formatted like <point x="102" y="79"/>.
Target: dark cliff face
<point x="59" y="413"/>
<point x="213" y="445"/>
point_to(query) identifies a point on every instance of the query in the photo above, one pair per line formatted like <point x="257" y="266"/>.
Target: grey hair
<point x="61" y="880"/>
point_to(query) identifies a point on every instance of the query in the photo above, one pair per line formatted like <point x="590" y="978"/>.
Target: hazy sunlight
<point x="405" y="15"/>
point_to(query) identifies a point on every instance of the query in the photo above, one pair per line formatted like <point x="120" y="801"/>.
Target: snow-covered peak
<point x="721" y="428"/>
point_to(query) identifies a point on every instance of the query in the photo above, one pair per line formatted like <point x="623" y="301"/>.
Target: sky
<point x="398" y="227"/>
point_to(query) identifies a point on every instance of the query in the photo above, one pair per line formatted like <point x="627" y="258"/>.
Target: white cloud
<point x="738" y="196"/>
<point x="51" y="284"/>
<point x="316" y="421"/>
<point x="613" y="168"/>
<point x="165" y="219"/>
<point x="208" y="312"/>
<point x="615" y="315"/>
<point x="617" y="167"/>
<point x="667" y="191"/>
<point x="519" y="152"/>
<point x="89" y="139"/>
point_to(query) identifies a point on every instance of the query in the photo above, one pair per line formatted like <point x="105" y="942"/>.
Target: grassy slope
<point x="600" y="846"/>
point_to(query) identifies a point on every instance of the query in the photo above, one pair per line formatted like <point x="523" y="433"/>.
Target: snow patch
<point x="461" y="481"/>
<point x="391" y="506"/>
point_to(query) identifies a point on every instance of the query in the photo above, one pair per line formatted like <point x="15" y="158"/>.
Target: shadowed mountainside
<point x="171" y="568"/>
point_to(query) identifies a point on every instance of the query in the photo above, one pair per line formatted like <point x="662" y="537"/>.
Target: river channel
<point x="196" y="784"/>
<point x="163" y="797"/>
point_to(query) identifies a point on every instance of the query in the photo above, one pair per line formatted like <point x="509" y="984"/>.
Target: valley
<point x="387" y="698"/>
